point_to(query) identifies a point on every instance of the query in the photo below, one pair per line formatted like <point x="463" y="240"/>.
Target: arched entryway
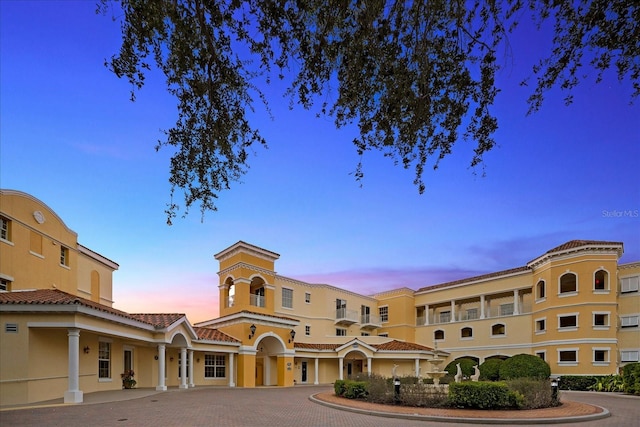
<point x="269" y="348"/>
<point x="354" y="365"/>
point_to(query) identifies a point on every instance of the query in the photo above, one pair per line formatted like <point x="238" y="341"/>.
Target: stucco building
<point x="574" y="306"/>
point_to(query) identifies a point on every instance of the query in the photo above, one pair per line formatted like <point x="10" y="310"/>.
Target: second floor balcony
<point x="370" y="321"/>
<point x="257" y="300"/>
<point x="346" y="317"/>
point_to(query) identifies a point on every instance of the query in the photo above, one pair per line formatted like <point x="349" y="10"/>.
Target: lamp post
<point x="554" y="388"/>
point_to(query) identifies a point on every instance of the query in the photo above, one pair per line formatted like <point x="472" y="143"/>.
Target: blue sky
<point x="70" y="137"/>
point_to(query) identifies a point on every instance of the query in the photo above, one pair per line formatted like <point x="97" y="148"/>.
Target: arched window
<point x="438" y="335"/>
<point x="466" y="332"/>
<point x="541" y="291"/>
<point x="231" y="292"/>
<point x="568" y="283"/>
<point x="600" y="280"/>
<point x="498" y="329"/>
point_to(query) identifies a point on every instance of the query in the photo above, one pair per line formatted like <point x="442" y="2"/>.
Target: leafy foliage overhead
<point x="415" y="76"/>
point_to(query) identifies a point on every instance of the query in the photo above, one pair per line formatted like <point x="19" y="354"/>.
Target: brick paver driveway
<point x="272" y="407"/>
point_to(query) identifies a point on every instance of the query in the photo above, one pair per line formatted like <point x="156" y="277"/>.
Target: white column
<point x="232" y="383"/>
<point x="482" y="304"/>
<point x="183" y="367"/>
<point x="426" y="314"/>
<point x="340" y="368"/>
<point x="73" y="394"/>
<point x="417" y="362"/>
<point x="453" y="311"/>
<point x="191" y="384"/>
<point x="369" y="361"/>
<point x="161" y="363"/>
<point x="516" y="305"/>
<point x="315" y="381"/>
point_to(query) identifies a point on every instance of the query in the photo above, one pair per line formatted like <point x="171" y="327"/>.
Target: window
<point x="601" y="319"/>
<point x="541" y="290"/>
<point x="445" y="316"/>
<point x="5" y="229"/>
<point x="287" y="298"/>
<point x="506" y="309"/>
<point x="307" y="330"/>
<point x="364" y="334"/>
<point x="214" y="366"/>
<point x="472" y="313"/>
<point x="567" y="356"/>
<point x="541" y="325"/>
<point x="384" y="334"/>
<point x="600" y="280"/>
<point x="5" y="284"/>
<point x="64" y="256"/>
<point x="600" y="355"/>
<point x="384" y="314"/>
<point x="365" y="314"/>
<point x="541" y="354"/>
<point x="466" y="333"/>
<point x="438" y="335"/>
<point x="630" y="284"/>
<point x="629" y="321"/>
<point x="307" y="297"/>
<point x="630" y="356"/>
<point x="104" y="359"/>
<point x="341" y="332"/>
<point x="568" y="283"/>
<point x="565" y="322"/>
<point x="498" y="329"/>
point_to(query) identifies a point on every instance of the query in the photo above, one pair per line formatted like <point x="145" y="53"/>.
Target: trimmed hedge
<point x="631" y="378"/>
<point x="350" y="389"/>
<point x="490" y="370"/>
<point x="484" y="395"/>
<point x="536" y="393"/>
<point x="577" y="383"/>
<point x="524" y="366"/>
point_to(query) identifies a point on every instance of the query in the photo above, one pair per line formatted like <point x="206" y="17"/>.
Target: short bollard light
<point x="396" y="386"/>
<point x="554" y="388"/>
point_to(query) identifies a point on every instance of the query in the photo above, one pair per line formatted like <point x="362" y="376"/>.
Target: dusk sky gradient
<point x="71" y="137"/>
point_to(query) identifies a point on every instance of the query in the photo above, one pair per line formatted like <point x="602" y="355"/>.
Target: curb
<point x="466" y="420"/>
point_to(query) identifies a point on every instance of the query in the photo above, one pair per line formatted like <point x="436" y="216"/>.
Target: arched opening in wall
<point x="600" y="280"/>
<point x="466" y="332"/>
<point x="541" y="291"/>
<point x="257" y="292"/>
<point x="497" y="356"/>
<point x="268" y="350"/>
<point x="568" y="283"/>
<point x="231" y="292"/>
<point x="355" y="364"/>
<point x="498" y="329"/>
<point x="438" y="335"/>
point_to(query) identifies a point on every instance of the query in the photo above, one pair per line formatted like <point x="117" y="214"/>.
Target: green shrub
<point x="524" y="366"/>
<point x="339" y="387"/>
<point x="483" y="395"/>
<point x="607" y="383"/>
<point x="466" y="365"/>
<point x="576" y="383"/>
<point x="380" y="389"/>
<point x="355" y="390"/>
<point x="421" y="395"/>
<point x="490" y="370"/>
<point x="631" y="378"/>
<point x="536" y="393"/>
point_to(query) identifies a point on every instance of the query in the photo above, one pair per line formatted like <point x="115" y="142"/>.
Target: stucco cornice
<point x="247" y="248"/>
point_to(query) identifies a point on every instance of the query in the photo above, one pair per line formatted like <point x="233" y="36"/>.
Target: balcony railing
<point x="256" y="300"/>
<point x="465" y="316"/>
<point x="346" y="317"/>
<point x="370" y="321"/>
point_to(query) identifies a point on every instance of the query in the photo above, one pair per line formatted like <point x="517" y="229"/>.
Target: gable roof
<point x="209" y="334"/>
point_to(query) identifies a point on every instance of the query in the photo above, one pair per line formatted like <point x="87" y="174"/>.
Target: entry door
<point x="304" y="372"/>
<point x="349" y="369"/>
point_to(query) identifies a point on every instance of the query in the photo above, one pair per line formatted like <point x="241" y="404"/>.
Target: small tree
<point x="466" y="365"/>
<point x="490" y="370"/>
<point x="524" y="366"/>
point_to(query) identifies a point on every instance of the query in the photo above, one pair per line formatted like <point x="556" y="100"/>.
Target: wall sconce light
<point x="293" y="335"/>
<point x="171" y="359"/>
<point x="86" y="350"/>
<point x="198" y="360"/>
<point x="155" y="357"/>
<point x="252" y="329"/>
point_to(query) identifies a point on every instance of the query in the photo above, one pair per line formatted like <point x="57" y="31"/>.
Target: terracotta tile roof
<point x="572" y="244"/>
<point x="401" y="346"/>
<point x="56" y="297"/>
<point x="257" y="314"/>
<point x="158" y="320"/>
<point x="209" y="334"/>
<point x="306" y="346"/>
<point x="476" y="278"/>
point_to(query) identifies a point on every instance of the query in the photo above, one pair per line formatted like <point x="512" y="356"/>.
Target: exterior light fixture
<point x="86" y="350"/>
<point x="292" y="334"/>
<point x="252" y="329"/>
